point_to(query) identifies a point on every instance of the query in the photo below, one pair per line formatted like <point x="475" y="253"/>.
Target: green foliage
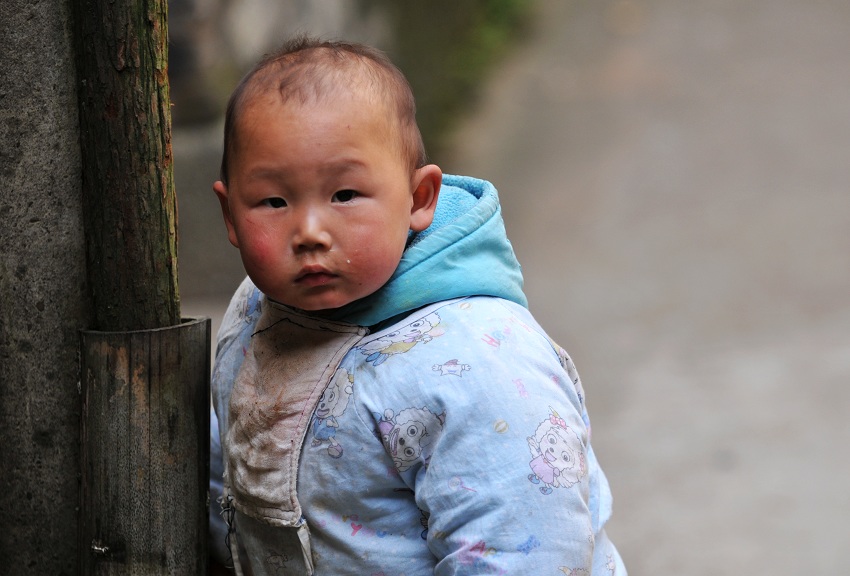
<point x="446" y="47"/>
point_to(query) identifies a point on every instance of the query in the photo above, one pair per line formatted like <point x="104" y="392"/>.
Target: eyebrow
<point x="342" y="165"/>
<point x="326" y="170"/>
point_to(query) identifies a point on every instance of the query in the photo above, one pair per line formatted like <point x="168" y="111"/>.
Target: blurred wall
<point x="42" y="290"/>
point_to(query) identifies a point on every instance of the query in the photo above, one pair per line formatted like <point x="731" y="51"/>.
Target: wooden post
<point x="145" y="451"/>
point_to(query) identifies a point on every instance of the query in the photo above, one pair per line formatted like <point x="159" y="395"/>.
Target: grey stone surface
<point x="42" y="289"/>
<point x="674" y="179"/>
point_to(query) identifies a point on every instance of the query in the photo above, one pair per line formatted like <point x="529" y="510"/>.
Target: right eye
<point x="344" y="196"/>
<point x="275" y="202"/>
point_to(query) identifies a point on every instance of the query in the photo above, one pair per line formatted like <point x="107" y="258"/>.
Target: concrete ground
<point x="674" y="178"/>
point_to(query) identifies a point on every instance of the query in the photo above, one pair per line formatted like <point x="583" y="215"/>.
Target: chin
<point x="323" y="305"/>
<point x="315" y="303"/>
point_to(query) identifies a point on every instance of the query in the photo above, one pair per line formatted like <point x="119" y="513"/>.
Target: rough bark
<point x="128" y="189"/>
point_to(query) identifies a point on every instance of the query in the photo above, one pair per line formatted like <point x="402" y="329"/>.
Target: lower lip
<point x="314" y="280"/>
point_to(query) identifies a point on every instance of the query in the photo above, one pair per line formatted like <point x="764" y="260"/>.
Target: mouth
<point x="313" y="276"/>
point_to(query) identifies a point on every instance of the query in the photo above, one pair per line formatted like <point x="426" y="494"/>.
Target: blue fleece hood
<point x="465" y="252"/>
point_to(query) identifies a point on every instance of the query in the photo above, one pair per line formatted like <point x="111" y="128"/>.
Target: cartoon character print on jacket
<point x="451" y="368"/>
<point x="331" y="406"/>
<point x="557" y="455"/>
<point x="402" y="340"/>
<point x="276" y="563"/>
<point x="574" y="571"/>
<point x="251" y="306"/>
<point x="410" y="435"/>
<point x="248" y="312"/>
<point x="568" y="365"/>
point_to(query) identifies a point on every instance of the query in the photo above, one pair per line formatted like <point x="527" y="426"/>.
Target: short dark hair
<point x="308" y="68"/>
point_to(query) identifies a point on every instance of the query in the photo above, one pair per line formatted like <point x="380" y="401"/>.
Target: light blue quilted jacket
<point x="449" y="435"/>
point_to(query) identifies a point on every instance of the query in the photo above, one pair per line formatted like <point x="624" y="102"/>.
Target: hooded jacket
<point x="430" y="428"/>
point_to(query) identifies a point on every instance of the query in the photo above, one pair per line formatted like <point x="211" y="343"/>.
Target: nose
<point x="311" y="233"/>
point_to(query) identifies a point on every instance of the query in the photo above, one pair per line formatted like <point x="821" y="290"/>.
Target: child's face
<point x="319" y="201"/>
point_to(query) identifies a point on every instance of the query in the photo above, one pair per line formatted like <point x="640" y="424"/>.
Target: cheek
<point x="259" y="250"/>
<point x="263" y="250"/>
<point x="379" y="258"/>
<point x="376" y="250"/>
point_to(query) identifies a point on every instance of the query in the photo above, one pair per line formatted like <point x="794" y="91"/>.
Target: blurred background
<point x="674" y="178"/>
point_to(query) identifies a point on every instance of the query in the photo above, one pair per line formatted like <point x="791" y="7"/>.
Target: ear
<point x="426" y="189"/>
<point x="220" y="190"/>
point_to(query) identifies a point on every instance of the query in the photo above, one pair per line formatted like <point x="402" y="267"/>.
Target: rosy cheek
<point x="261" y="250"/>
<point x="264" y="248"/>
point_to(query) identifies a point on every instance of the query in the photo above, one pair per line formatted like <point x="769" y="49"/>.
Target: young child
<point x="386" y="403"/>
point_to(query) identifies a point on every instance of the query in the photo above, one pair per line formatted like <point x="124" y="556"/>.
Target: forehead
<point x="346" y="116"/>
<point x="322" y="78"/>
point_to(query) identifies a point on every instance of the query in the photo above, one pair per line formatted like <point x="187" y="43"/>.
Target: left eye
<point x="344" y="196"/>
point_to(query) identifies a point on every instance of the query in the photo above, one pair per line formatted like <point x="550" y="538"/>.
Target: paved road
<point x="674" y="178"/>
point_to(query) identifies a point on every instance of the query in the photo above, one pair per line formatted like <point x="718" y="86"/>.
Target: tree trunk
<point x="128" y="188"/>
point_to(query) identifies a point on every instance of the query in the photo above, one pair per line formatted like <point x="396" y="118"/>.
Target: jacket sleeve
<point x="218" y="527"/>
<point x="506" y="487"/>
<point x="235" y="331"/>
